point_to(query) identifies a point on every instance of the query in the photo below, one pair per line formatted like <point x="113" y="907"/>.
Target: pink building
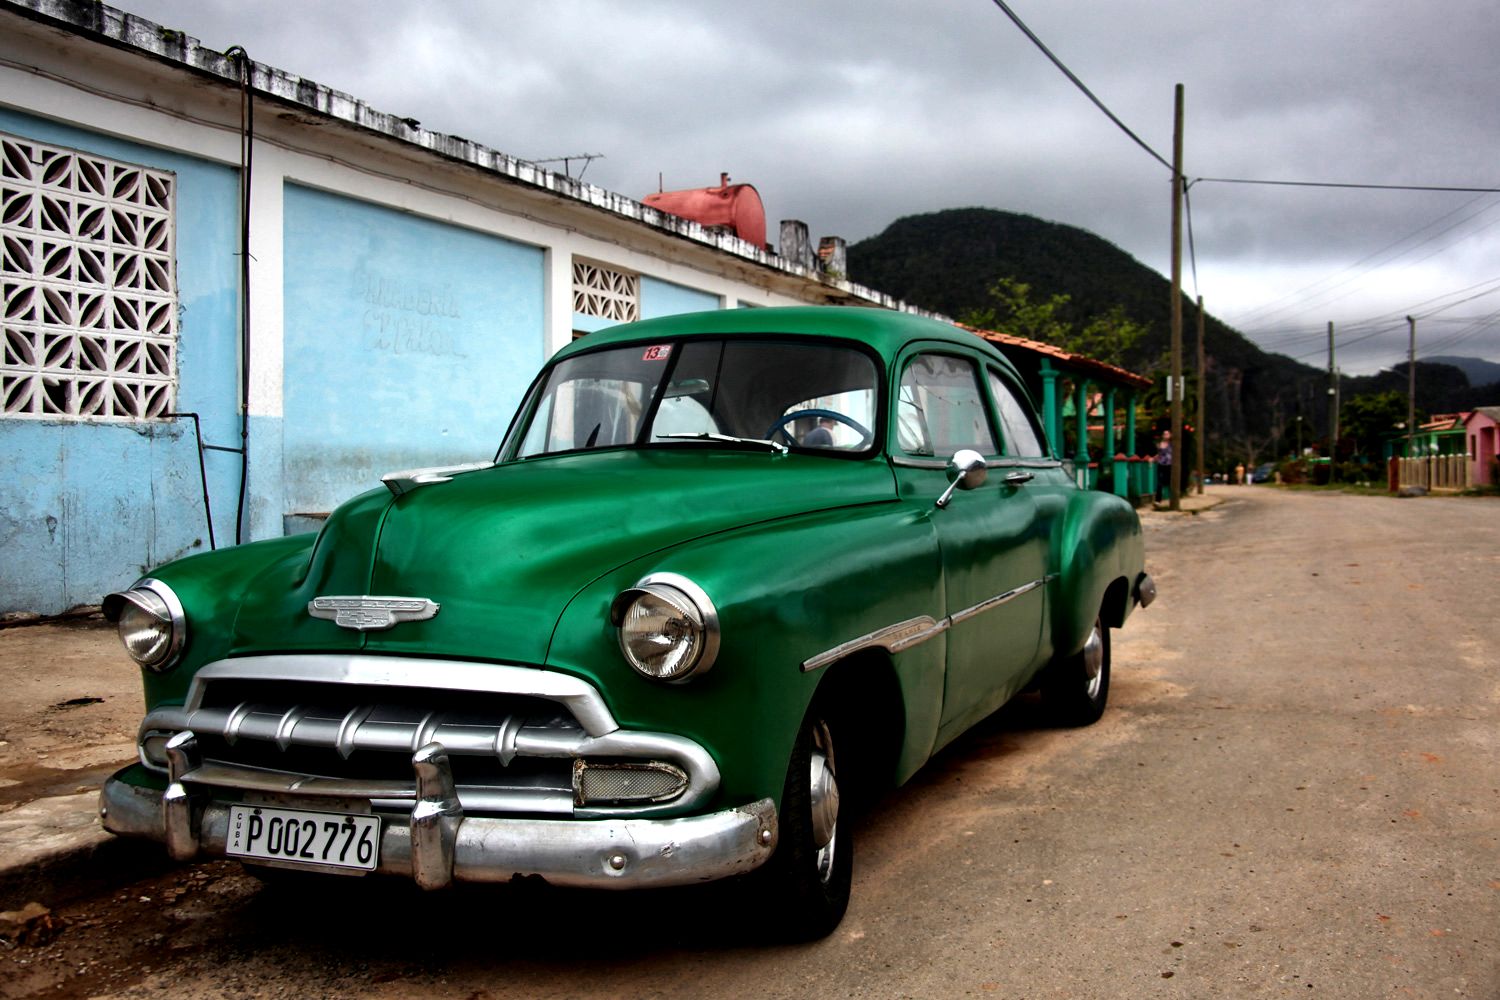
<point x="1482" y="428"/>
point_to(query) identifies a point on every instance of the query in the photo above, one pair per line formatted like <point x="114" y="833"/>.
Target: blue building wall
<point x="408" y="343"/>
<point x="85" y="508"/>
<point x="663" y="298"/>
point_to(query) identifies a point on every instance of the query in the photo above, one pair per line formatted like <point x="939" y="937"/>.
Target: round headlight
<point x="150" y="622"/>
<point x="669" y="630"/>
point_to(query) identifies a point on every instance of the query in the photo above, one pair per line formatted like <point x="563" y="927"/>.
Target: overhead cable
<point x="1079" y="83"/>
<point x="1333" y="184"/>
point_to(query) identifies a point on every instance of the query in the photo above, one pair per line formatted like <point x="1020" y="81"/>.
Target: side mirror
<point x="966" y="471"/>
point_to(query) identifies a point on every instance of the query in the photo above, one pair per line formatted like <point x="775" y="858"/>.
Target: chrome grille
<point x="348" y="731"/>
<point x="517" y="740"/>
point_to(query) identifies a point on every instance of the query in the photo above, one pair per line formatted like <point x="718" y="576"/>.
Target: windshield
<point x="818" y="397"/>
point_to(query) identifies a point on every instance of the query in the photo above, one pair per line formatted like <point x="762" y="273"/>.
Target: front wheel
<point x="1075" y="688"/>
<point x="806" y="883"/>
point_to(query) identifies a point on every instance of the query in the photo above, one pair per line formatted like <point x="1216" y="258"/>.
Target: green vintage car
<point x="724" y="569"/>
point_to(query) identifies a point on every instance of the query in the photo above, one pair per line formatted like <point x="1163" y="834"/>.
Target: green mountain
<point x="946" y="261"/>
<point x="1479" y="371"/>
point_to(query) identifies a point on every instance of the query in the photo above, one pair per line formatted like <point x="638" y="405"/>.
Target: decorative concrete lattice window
<point x="606" y="293"/>
<point x="90" y="286"/>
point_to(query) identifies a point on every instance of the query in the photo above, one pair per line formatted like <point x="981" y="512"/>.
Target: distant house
<point x="1442" y="435"/>
<point x="1482" y="427"/>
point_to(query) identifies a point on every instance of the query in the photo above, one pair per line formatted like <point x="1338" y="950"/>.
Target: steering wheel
<point x="779" y="427"/>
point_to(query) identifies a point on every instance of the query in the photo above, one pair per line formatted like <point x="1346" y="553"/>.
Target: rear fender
<point x="1100" y="553"/>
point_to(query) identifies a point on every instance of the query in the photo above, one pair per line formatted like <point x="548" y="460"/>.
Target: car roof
<point x="884" y="330"/>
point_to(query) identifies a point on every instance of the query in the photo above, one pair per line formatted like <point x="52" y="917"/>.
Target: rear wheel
<point x="1076" y="688"/>
<point x="806" y="883"/>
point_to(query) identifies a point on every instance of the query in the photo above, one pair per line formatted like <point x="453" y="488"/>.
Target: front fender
<point x="784" y="593"/>
<point x="210" y="586"/>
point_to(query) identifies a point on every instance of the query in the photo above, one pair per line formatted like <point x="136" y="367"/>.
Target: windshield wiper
<point x="778" y="448"/>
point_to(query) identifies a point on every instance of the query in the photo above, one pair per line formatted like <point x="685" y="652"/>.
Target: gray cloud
<point x="851" y="115"/>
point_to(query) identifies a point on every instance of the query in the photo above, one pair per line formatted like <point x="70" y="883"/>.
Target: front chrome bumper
<point x="436" y="844"/>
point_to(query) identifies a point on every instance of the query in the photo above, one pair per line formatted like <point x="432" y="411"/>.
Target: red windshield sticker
<point x="658" y="353"/>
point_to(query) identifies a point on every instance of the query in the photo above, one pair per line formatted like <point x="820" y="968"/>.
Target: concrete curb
<point x="53" y="850"/>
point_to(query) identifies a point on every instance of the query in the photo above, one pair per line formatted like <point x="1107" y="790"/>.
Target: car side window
<point x="941" y="408"/>
<point x="1021" y="437"/>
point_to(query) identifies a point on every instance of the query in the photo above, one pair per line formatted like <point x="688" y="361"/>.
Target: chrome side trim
<point x="991" y="603"/>
<point x="915" y="631"/>
<point x="885" y="638"/>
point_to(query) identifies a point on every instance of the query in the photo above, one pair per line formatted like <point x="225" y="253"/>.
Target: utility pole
<point x="1411" y="384"/>
<point x="1178" y="458"/>
<point x="1198" y="432"/>
<point x="1333" y="405"/>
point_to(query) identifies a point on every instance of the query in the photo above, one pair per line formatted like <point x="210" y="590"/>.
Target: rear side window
<point x="941" y="408"/>
<point x="1022" y="440"/>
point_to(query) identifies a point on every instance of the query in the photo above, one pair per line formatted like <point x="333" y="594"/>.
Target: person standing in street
<point x="1164" y="467"/>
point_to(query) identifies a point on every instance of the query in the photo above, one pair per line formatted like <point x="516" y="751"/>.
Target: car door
<point x="993" y="556"/>
<point x="1027" y="462"/>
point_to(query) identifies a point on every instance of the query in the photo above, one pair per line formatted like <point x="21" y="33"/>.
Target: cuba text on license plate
<point x="340" y="840"/>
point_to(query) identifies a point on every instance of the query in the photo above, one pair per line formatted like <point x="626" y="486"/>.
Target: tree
<point x="1109" y="336"/>
<point x="1365" y="418"/>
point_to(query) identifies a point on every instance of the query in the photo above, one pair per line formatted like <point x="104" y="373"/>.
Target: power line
<point x="1187" y="203"/>
<point x="1187" y="185"/>
<point x="1311" y="294"/>
<point x="1334" y="184"/>
<point x="1079" y="83"/>
<point x="1471" y="298"/>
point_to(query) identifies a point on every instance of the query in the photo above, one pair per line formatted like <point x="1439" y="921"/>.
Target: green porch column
<point x="1081" y="408"/>
<point x="1117" y="471"/>
<point x="1081" y="457"/>
<point x="1051" y="421"/>
<point x="1109" y="423"/>
<point x="1137" y="484"/>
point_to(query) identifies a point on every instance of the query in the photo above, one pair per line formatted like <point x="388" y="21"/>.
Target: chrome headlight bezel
<point x="149" y="604"/>
<point x="697" y="622"/>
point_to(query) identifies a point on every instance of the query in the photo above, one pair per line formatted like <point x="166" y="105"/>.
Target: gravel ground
<point x="1295" y="793"/>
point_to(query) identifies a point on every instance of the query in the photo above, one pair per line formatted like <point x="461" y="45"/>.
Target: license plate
<point x="304" y="837"/>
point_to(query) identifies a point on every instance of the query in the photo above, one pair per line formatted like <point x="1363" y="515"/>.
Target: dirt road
<point x="1295" y="793"/>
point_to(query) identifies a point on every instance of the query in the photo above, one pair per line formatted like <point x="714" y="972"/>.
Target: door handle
<point x="1018" y="478"/>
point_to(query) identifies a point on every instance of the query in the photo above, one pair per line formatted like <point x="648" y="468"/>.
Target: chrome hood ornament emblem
<point x="372" y="614"/>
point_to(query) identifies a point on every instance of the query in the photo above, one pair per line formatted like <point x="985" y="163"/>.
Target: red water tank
<point x="736" y="208"/>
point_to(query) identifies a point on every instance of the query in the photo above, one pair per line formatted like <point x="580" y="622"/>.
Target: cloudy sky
<point x="851" y="115"/>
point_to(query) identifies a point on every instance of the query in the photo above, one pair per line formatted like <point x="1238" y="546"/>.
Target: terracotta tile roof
<point x="1445" y="421"/>
<point x="1080" y="362"/>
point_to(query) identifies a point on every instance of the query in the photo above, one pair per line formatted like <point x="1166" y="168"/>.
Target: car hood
<point x="503" y="550"/>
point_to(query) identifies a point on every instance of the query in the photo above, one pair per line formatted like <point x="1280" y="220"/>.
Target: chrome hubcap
<point x="1093" y="662"/>
<point x="823" y="789"/>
